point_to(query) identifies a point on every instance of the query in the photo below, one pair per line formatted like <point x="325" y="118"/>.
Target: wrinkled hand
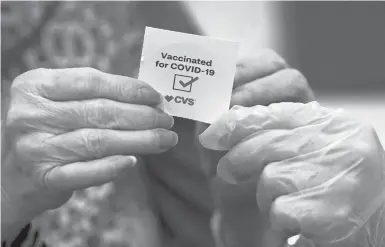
<point x="69" y="129"/>
<point x="316" y="172"/>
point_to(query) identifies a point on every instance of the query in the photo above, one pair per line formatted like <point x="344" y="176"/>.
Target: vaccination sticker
<point x="194" y="73"/>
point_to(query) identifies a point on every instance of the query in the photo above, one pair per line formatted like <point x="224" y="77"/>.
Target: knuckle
<point x="29" y="148"/>
<point x="14" y="117"/>
<point x="272" y="56"/>
<point x="156" y="138"/>
<point x="28" y="78"/>
<point x="21" y="147"/>
<point x="92" y="77"/>
<point x="126" y="89"/>
<point x="369" y="131"/>
<point x="24" y="116"/>
<point x="32" y="74"/>
<point x="101" y="104"/>
<point x="365" y="146"/>
<point x="278" y="206"/>
<point x="137" y="91"/>
<point x="104" y="114"/>
<point x="299" y="86"/>
<point x="147" y="120"/>
<point x="268" y="174"/>
<point x="22" y="104"/>
<point x="296" y="77"/>
<point x="342" y="212"/>
<point x="91" y="70"/>
<point x="93" y="141"/>
<point x="20" y="117"/>
<point x="153" y="119"/>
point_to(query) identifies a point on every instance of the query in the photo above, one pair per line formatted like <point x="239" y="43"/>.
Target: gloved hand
<point x="69" y="129"/>
<point x="262" y="79"/>
<point x="181" y="189"/>
<point x="315" y="172"/>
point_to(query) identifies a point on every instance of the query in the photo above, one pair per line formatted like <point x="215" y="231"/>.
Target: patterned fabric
<point x="80" y="34"/>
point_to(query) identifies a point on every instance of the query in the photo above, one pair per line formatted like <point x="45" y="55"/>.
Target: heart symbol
<point x="168" y="97"/>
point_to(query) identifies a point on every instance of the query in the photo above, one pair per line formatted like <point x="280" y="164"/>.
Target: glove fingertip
<point x="211" y="141"/>
<point x="225" y="174"/>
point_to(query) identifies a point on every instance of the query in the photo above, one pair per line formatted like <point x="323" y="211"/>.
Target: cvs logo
<point x="180" y="100"/>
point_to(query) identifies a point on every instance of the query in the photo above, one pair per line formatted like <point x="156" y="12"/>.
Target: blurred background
<point x="339" y="46"/>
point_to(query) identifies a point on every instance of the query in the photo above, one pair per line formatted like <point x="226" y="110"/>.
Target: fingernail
<point x="167" y="139"/>
<point x="126" y="162"/>
<point x="210" y="141"/>
<point x="224" y="173"/>
<point x="166" y="121"/>
<point x="132" y="160"/>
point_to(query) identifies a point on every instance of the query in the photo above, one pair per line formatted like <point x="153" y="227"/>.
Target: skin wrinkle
<point x="117" y="120"/>
<point x="71" y="153"/>
<point x="271" y="90"/>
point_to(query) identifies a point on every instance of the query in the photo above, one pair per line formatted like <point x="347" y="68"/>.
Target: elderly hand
<point x="315" y="172"/>
<point x="69" y="129"/>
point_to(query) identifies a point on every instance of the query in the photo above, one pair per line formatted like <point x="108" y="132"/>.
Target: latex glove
<point x="261" y="79"/>
<point x="69" y="129"/>
<point x="317" y="172"/>
<point x="182" y="190"/>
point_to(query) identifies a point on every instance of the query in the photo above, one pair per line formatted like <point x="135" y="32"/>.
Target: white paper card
<point x="194" y="73"/>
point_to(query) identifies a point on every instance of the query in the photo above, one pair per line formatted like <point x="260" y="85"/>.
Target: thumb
<point x="208" y="158"/>
<point x="81" y="175"/>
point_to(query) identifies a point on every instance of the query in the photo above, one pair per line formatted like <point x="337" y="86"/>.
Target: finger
<point x="88" y="83"/>
<point x="104" y="113"/>
<point x="263" y="64"/>
<point x="327" y="217"/>
<point x="81" y="175"/>
<point x="313" y="219"/>
<point x="240" y="122"/>
<point x="286" y="85"/>
<point x="87" y="144"/>
<point x="208" y="159"/>
<point x="301" y="169"/>
<point x="183" y="220"/>
<point x="313" y="199"/>
<point x="246" y="160"/>
<point x="278" y="179"/>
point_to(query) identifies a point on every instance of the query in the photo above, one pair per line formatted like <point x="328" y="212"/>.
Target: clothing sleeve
<point x="28" y="237"/>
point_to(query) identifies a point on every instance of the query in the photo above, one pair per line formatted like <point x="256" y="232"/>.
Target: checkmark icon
<point x="185" y="84"/>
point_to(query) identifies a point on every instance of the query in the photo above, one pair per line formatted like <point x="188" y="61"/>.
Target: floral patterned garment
<point x="106" y="36"/>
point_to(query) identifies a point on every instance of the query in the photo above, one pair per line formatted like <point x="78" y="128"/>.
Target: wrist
<point x="18" y="202"/>
<point x="13" y="218"/>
